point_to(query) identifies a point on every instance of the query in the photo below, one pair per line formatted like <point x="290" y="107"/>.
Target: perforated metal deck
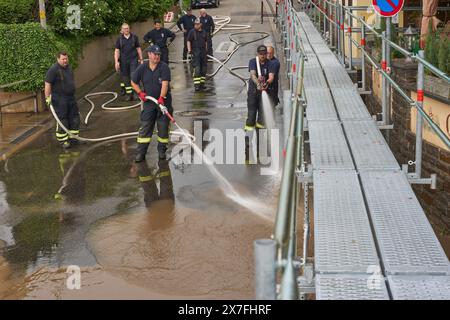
<point x="328" y="147"/>
<point x="350" y="105"/>
<point x="314" y="79"/>
<point x="420" y="287"/>
<point x="338" y="77"/>
<point x="349" y="287"/>
<point x="368" y="146"/>
<point x="412" y="258"/>
<point x="343" y="239"/>
<point x="406" y="240"/>
<point x="320" y="105"/>
<point x="327" y="59"/>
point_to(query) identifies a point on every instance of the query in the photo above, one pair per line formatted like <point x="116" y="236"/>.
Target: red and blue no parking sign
<point x="387" y="8"/>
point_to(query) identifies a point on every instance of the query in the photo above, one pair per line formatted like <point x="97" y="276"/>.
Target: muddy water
<point x="190" y="253"/>
<point x="159" y="254"/>
<point x="166" y="251"/>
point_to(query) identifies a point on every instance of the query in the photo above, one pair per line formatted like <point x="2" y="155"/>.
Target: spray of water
<point x="269" y="117"/>
<point x="252" y="204"/>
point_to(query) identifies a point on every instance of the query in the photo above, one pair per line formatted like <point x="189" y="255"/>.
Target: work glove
<point x="161" y="101"/>
<point x="142" y="95"/>
<point x="48" y="100"/>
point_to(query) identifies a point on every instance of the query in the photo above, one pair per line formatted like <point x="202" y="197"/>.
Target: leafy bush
<point x="437" y="49"/>
<point x="16" y="11"/>
<point x="94" y="19"/>
<point x="27" y="52"/>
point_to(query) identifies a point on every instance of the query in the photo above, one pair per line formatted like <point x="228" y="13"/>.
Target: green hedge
<point x="16" y="11"/>
<point x="27" y="52"/>
<point x="437" y="49"/>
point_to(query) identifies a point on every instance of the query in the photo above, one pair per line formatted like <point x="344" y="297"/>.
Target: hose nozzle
<point x="166" y="112"/>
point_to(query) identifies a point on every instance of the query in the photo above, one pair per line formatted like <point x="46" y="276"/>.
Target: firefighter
<point x="209" y="26"/>
<point x="155" y="77"/>
<point x="186" y="24"/>
<point x="126" y="54"/>
<point x="60" y="92"/>
<point x="148" y="182"/>
<point x="159" y="36"/>
<point x="257" y="84"/>
<point x="197" y="43"/>
<point x="273" y="88"/>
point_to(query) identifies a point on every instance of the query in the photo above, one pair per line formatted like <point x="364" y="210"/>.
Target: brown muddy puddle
<point x="161" y="252"/>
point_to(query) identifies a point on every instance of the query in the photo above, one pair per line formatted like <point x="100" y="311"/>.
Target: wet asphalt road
<point x="172" y="235"/>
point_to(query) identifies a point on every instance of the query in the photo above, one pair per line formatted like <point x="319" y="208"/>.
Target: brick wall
<point x="436" y="203"/>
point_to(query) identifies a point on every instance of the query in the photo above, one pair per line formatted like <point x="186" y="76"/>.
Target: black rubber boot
<point x="162" y="148"/>
<point x="139" y="157"/>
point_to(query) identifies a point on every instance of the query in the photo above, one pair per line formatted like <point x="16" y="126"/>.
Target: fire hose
<point x="122" y="135"/>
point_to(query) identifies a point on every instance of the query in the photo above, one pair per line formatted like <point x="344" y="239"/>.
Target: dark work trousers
<point x="273" y="93"/>
<point x="66" y="109"/>
<point x="185" y="50"/>
<point x="165" y="54"/>
<point x="254" y="110"/>
<point x="210" y="45"/>
<point x="127" y="67"/>
<point x="199" y="63"/>
<point x="150" y="115"/>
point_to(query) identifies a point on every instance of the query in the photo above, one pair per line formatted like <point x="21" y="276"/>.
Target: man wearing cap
<point x="197" y="43"/>
<point x="257" y="84"/>
<point x="155" y="77"/>
<point x="186" y="24"/>
<point x="273" y="88"/>
<point x="126" y="60"/>
<point x="159" y="36"/>
<point x="209" y="26"/>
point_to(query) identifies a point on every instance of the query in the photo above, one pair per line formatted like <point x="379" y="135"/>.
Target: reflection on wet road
<point x="163" y="229"/>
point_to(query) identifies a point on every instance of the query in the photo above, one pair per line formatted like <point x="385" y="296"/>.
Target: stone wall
<point x="401" y="139"/>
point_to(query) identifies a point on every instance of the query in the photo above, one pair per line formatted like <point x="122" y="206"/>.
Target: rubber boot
<point x="162" y="148"/>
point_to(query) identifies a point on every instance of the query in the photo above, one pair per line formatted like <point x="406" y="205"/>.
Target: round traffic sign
<point x="387" y="8"/>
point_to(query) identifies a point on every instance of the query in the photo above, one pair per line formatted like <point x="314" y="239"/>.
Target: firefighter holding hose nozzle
<point x="155" y="77"/>
<point x="262" y="75"/>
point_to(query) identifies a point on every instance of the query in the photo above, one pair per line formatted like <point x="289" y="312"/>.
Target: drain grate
<point x="193" y="113"/>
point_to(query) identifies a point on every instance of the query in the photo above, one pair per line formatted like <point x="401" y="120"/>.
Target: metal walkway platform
<point x="366" y="215"/>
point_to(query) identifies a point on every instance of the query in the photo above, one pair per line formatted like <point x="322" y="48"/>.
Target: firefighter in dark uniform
<point x="209" y="26"/>
<point x="148" y="182"/>
<point x="273" y="88"/>
<point x="186" y="24"/>
<point x="155" y="77"/>
<point x="257" y="84"/>
<point x="159" y="36"/>
<point x="60" y="92"/>
<point x="197" y="43"/>
<point x="126" y="54"/>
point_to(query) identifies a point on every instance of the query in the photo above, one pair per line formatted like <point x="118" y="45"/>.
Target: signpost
<point x="387" y="8"/>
